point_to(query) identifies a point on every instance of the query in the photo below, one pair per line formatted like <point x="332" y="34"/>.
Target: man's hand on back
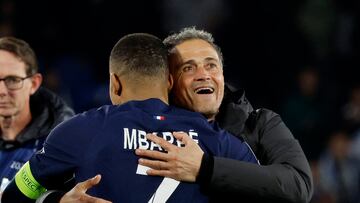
<point x="180" y="163"/>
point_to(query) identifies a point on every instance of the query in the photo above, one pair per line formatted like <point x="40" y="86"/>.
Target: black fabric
<point x="285" y="174"/>
<point x="48" y="110"/>
<point x="12" y="194"/>
<point x="205" y="172"/>
<point x="51" y="197"/>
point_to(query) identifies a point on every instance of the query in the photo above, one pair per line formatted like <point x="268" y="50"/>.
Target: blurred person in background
<point x="351" y="110"/>
<point x="304" y="111"/>
<point x="355" y="146"/>
<point x="27" y="111"/>
<point x="339" y="175"/>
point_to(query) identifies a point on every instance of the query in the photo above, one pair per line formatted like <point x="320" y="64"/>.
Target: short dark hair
<point x="190" y="33"/>
<point x="22" y="51"/>
<point x="139" y="54"/>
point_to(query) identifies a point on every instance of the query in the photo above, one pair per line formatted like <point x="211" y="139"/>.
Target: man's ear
<point x="115" y="85"/>
<point x="36" y="81"/>
<point x="115" y="89"/>
<point x="170" y="82"/>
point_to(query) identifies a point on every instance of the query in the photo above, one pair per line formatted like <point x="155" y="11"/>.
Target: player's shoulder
<point x="106" y="114"/>
<point x="98" y="114"/>
<point x="81" y="125"/>
<point x="87" y="118"/>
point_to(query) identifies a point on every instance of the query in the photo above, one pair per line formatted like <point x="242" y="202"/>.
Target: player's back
<point x="106" y="139"/>
<point x="112" y="155"/>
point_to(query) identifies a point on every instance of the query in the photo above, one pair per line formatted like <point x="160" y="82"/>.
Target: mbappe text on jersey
<point x="136" y="139"/>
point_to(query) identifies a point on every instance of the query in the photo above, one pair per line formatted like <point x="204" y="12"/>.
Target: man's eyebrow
<point x="211" y="59"/>
<point x="191" y="61"/>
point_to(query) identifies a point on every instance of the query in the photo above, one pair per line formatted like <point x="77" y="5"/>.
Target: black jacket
<point x="284" y="174"/>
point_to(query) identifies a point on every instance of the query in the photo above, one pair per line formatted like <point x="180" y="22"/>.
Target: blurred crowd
<point x="297" y="58"/>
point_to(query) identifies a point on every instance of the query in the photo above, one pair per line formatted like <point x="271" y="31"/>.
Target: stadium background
<point x="298" y="58"/>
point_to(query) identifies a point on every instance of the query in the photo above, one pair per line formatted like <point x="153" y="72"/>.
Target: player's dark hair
<point x="139" y="54"/>
<point x="22" y="51"/>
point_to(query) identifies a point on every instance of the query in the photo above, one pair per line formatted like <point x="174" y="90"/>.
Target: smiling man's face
<point x="198" y="77"/>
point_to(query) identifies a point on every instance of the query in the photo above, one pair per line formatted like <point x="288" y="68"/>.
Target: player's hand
<point x="78" y="193"/>
<point x="180" y="163"/>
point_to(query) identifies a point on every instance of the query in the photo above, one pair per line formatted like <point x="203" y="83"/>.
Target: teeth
<point x="204" y="90"/>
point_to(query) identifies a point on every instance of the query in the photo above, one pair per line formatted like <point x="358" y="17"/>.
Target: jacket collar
<point x="234" y="110"/>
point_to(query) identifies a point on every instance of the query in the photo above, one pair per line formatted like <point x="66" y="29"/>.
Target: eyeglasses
<point x="14" y="82"/>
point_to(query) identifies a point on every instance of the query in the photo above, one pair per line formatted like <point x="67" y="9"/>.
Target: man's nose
<point x="202" y="73"/>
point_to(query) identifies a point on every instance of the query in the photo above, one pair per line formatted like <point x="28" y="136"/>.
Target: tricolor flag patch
<point x="160" y="118"/>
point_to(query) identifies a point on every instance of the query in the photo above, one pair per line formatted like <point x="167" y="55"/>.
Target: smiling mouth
<point x="204" y="90"/>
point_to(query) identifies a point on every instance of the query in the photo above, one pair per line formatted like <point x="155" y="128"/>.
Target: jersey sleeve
<point x="64" y="150"/>
<point x="53" y="167"/>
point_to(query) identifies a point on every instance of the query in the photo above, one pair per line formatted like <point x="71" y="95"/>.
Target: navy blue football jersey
<point x="103" y="141"/>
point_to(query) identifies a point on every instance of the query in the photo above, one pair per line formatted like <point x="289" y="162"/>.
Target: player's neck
<point x="143" y="93"/>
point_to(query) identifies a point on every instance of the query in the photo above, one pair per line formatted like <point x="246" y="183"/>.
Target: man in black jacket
<point x="27" y="112"/>
<point x="284" y="176"/>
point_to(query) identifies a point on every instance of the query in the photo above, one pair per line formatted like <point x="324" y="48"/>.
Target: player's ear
<point x="115" y="88"/>
<point x="116" y="84"/>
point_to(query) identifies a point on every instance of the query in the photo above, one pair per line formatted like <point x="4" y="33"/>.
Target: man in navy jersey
<point x="102" y="141"/>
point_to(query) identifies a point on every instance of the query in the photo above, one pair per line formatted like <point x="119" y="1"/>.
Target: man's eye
<point x="212" y="65"/>
<point x="187" y="68"/>
<point x="12" y="80"/>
